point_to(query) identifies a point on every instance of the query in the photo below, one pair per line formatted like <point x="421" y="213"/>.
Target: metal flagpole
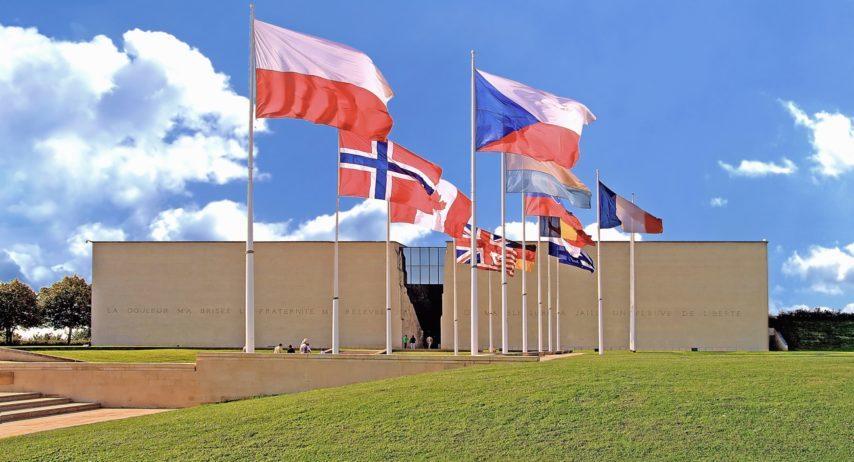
<point x="504" y="347"/>
<point x="632" y="308"/>
<point x="387" y="278"/>
<point x="539" y="290"/>
<point x="474" y="323"/>
<point x="599" y="265"/>
<point x="489" y="291"/>
<point x="456" y="318"/>
<point x="524" y="283"/>
<point x="249" y="345"/>
<point x="549" y="301"/>
<point x="335" y="300"/>
<point x="557" y="305"/>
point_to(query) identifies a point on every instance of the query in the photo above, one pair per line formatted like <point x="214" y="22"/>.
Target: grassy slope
<point x="676" y="406"/>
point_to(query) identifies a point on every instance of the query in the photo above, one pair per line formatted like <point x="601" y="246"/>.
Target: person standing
<point x="429" y="342"/>
<point x="412" y="342"/>
<point x="405" y="341"/>
<point x="304" y="347"/>
<point x="278" y="349"/>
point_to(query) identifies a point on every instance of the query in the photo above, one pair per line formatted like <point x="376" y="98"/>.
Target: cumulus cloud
<point x="832" y="138"/>
<point x="848" y="309"/>
<point x="610" y="234"/>
<point x="95" y="128"/>
<point x="226" y="220"/>
<point x="514" y="230"/>
<point x="718" y="202"/>
<point x="756" y="168"/>
<point x="828" y="270"/>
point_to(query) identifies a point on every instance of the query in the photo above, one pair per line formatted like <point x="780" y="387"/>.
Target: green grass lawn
<point x="673" y="406"/>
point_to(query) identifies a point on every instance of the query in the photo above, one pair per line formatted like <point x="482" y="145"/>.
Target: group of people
<point x="411" y="341"/>
<point x="304" y="348"/>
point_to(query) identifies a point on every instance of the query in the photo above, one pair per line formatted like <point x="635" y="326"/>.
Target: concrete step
<point x="43" y="411"/>
<point x="30" y="403"/>
<point x="17" y="395"/>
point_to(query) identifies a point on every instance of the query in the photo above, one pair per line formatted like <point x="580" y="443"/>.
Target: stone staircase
<point x="26" y="405"/>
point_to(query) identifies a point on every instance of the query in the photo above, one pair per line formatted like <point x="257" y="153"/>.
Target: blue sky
<point x="684" y="93"/>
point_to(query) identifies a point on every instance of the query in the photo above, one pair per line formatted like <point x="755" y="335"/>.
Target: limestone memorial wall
<point x="192" y="294"/>
<point x="705" y="295"/>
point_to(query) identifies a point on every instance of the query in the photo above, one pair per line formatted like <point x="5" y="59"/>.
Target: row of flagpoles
<point x="293" y="75"/>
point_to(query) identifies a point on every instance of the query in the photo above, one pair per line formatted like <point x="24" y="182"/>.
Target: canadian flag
<point x="451" y="219"/>
<point x="305" y="77"/>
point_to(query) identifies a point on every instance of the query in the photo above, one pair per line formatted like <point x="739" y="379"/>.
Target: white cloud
<point x="829" y="270"/>
<point x="226" y="220"/>
<point x="849" y="308"/>
<point x="832" y="138"/>
<point x="755" y="168"/>
<point x="89" y="123"/>
<point x="95" y="128"/>
<point x="610" y="234"/>
<point x="718" y="202"/>
<point x="514" y="230"/>
<point x="77" y="244"/>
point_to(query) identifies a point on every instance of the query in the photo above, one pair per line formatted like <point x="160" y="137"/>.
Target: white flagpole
<point x="549" y="301"/>
<point x="335" y="301"/>
<point x="456" y="318"/>
<point x="524" y="283"/>
<point x="539" y="290"/>
<point x="249" y="345"/>
<point x="474" y="308"/>
<point x="388" y="346"/>
<point x="599" y="265"/>
<point x="632" y="308"/>
<point x="557" y="307"/>
<point x="489" y="291"/>
<point x="505" y="348"/>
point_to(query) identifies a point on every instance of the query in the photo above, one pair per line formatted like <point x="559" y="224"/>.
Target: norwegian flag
<point x="386" y="170"/>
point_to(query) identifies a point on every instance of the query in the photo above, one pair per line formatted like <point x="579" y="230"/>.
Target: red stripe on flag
<point x="322" y="101"/>
<point x="540" y="141"/>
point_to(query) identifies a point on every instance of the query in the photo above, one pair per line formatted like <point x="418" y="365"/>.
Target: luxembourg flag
<point x="305" y="77"/>
<point x="614" y="210"/>
<point x="451" y="218"/>
<point x="513" y="117"/>
<point x="386" y="170"/>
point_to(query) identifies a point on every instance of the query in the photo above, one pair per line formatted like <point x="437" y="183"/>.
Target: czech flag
<point x="305" y="77"/>
<point x="513" y="117"/>
<point x="614" y="210"/>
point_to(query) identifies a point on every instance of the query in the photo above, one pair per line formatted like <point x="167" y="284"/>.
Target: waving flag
<point x="526" y="175"/>
<point x="615" y="211"/>
<point x="493" y="253"/>
<point x="305" y="77"/>
<point x="579" y="259"/>
<point x="513" y="117"/>
<point x="525" y="258"/>
<point x="388" y="171"/>
<point x="573" y="234"/>
<point x="463" y="246"/>
<point x="450" y="218"/>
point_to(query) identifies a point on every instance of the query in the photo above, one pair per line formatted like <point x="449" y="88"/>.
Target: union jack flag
<point x="496" y="243"/>
<point x="388" y="171"/>
<point x="463" y="246"/>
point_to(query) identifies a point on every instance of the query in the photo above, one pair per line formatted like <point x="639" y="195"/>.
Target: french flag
<point x="513" y="117"/>
<point x="388" y="171"/>
<point x="615" y="210"/>
<point x="305" y="77"/>
<point x="451" y="217"/>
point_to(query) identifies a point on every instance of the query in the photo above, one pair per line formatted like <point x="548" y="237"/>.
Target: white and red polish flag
<point x="305" y="77"/>
<point x="450" y="218"/>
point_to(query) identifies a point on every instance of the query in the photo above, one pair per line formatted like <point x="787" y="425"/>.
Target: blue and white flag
<point x="569" y="255"/>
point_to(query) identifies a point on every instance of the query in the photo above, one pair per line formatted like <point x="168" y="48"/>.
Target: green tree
<point x="67" y="304"/>
<point x="18" y="307"/>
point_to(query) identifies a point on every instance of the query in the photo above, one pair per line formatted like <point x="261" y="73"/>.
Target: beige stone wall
<point x="708" y="295"/>
<point x="192" y="294"/>
<point x="218" y="377"/>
